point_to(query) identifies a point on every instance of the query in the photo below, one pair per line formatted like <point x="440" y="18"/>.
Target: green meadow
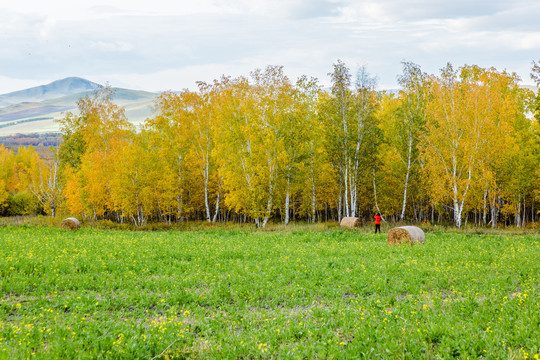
<point x="235" y="294"/>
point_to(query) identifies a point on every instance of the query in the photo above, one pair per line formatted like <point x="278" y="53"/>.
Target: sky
<point x="163" y="45"/>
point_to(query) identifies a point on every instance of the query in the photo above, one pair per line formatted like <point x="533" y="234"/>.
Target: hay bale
<point x="406" y="234"/>
<point x="351" y="222"/>
<point x="70" y="224"/>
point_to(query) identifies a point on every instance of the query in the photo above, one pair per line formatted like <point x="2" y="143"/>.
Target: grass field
<point x="235" y="294"/>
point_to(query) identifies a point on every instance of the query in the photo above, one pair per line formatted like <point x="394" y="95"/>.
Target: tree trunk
<point x="518" y="212"/>
<point x="340" y="213"/>
<point x="375" y="194"/>
<point x="270" y="192"/>
<point x="206" y="203"/>
<point x="484" y="214"/>
<point x="268" y="211"/>
<point x="402" y="217"/>
<point x="346" y="192"/>
<point x="353" y="195"/>
<point x="494" y="213"/>
<point x="313" y="205"/>
<point x="458" y="208"/>
<point x="206" y="180"/>
<point x="216" y="213"/>
<point x="313" y="186"/>
<point x="287" y="197"/>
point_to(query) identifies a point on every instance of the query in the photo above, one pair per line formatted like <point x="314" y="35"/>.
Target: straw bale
<point x="406" y="234"/>
<point x="351" y="222"/>
<point x="71" y="224"/>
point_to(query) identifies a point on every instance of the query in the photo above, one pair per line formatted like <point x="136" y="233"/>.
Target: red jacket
<point x="377" y="219"/>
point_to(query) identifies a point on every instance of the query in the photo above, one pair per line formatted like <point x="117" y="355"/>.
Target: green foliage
<point x="240" y="294"/>
<point x="22" y="203"/>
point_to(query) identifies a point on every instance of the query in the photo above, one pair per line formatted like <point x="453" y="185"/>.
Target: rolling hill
<point x="58" y="88"/>
<point x="34" y="110"/>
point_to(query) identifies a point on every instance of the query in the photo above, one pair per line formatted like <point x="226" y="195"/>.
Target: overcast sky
<point x="159" y="45"/>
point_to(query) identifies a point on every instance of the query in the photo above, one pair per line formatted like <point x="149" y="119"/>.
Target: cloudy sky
<point x="158" y="45"/>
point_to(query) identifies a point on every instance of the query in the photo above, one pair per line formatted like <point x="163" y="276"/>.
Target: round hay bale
<point x="351" y="222"/>
<point x="406" y="234"/>
<point x="70" y="224"/>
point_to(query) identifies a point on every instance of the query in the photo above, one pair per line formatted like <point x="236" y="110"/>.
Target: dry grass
<point x="71" y="224"/>
<point x="351" y="222"/>
<point x="405" y="234"/>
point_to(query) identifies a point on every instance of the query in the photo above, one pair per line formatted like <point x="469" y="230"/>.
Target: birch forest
<point x="460" y="147"/>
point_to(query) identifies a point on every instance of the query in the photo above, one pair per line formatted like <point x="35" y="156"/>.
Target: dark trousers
<point x="377" y="227"/>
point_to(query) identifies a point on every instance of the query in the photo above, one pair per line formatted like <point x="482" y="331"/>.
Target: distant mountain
<point x="34" y="110"/>
<point x="58" y="88"/>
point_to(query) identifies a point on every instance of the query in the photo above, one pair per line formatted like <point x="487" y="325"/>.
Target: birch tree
<point x="350" y="128"/>
<point x="46" y="184"/>
<point x="315" y="159"/>
<point x="93" y="132"/>
<point x="337" y="131"/>
<point x="465" y="124"/>
<point x="365" y="135"/>
<point x="170" y="133"/>
<point x="203" y="142"/>
<point x="389" y="166"/>
<point x="275" y="125"/>
<point x="535" y="76"/>
<point x="410" y="123"/>
<point x="249" y="168"/>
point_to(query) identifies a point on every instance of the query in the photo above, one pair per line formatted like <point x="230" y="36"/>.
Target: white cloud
<point x="8" y="84"/>
<point x="171" y="44"/>
<point x="111" y="45"/>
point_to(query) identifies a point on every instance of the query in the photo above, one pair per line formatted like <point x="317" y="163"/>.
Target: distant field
<point x="38" y="117"/>
<point x="31" y="112"/>
<point x="237" y="294"/>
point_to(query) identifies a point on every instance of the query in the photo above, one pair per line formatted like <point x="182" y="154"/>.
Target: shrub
<point x="22" y="203"/>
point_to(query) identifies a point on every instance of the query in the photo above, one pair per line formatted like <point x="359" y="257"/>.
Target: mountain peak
<point x="74" y="83"/>
<point x="62" y="87"/>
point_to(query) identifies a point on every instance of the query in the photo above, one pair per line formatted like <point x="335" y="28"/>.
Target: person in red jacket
<point x="377" y="223"/>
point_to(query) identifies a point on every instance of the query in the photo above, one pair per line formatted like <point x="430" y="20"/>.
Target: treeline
<point x="41" y="141"/>
<point x="25" y="182"/>
<point x="459" y="146"/>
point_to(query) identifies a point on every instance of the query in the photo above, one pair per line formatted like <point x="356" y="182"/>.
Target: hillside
<point x="34" y="110"/>
<point x="58" y="88"/>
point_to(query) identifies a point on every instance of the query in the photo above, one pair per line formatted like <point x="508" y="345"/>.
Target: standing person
<point x="377" y="223"/>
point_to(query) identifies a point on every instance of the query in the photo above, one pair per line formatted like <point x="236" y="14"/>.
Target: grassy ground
<point x="281" y="294"/>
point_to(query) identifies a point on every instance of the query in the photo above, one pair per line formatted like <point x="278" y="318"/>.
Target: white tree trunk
<point x="409" y="156"/>
<point x="206" y="180"/>
<point x="494" y="213"/>
<point x="271" y="168"/>
<point x="216" y="213"/>
<point x="484" y="215"/>
<point x="268" y="212"/>
<point x="340" y="199"/>
<point x="346" y="197"/>
<point x="313" y="203"/>
<point x="179" y="198"/>
<point x="353" y="190"/>
<point x="287" y="208"/>
<point x="313" y="189"/>
<point x="458" y="208"/>
<point x="518" y="212"/>
<point x="375" y="195"/>
<point x="287" y="201"/>
<point x="48" y="190"/>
